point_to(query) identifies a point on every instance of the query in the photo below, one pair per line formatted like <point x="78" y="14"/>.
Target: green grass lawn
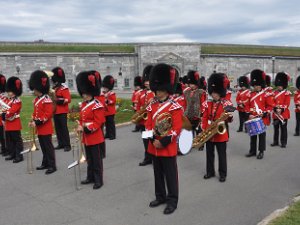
<point x="122" y="48"/>
<point x="124" y="112"/>
<point x="291" y="217"/>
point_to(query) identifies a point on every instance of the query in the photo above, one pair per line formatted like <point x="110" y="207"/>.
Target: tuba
<point x="163" y="124"/>
<point x="217" y="127"/>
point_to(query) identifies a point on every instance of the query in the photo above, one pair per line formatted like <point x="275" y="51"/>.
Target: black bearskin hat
<point x="202" y="83"/>
<point x="58" y="75"/>
<point x="178" y="89"/>
<point x="184" y="79"/>
<point x="87" y="83"/>
<point x="97" y="75"/>
<point x="108" y="82"/>
<point x="268" y="80"/>
<point x="162" y="78"/>
<point x="298" y="82"/>
<point x="14" y="84"/>
<point x="218" y="82"/>
<point x="193" y="77"/>
<point x="244" y="81"/>
<point x="258" y="78"/>
<point x="282" y="79"/>
<point x="138" y="81"/>
<point x="2" y="83"/>
<point x="39" y="80"/>
<point x="146" y="73"/>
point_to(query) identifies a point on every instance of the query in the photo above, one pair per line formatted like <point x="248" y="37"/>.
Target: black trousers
<point x="210" y="158"/>
<point x="14" y="144"/>
<point x="48" y="151"/>
<point x="2" y="140"/>
<point x="94" y="163"/>
<point x="195" y="128"/>
<point x="297" y="130"/>
<point x="103" y="145"/>
<point x="261" y="143"/>
<point x="61" y="129"/>
<point x="110" y="126"/>
<point x="147" y="157"/>
<point x="283" y="132"/>
<point x="165" y="171"/>
<point x="243" y="116"/>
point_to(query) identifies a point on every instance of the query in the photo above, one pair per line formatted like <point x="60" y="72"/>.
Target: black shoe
<point x="156" y="203"/>
<point x="250" y="155"/>
<point x="282" y="146"/>
<point x="112" y="138"/>
<point x="145" y="163"/>
<point x="50" y="170"/>
<point x="17" y="160"/>
<point x="239" y="130"/>
<point x="42" y="167"/>
<point x="67" y="149"/>
<point x="296" y="134"/>
<point x="9" y="158"/>
<point x="5" y="154"/>
<point x="97" y="186"/>
<point x="273" y="144"/>
<point x="260" y="155"/>
<point x="87" y="181"/>
<point x="201" y="148"/>
<point x="222" y="179"/>
<point x="169" y="209"/>
<point x="58" y="147"/>
<point x="208" y="176"/>
<point x="134" y="131"/>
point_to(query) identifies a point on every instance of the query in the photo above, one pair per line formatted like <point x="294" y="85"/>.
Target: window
<point x="70" y="84"/>
<point x="126" y="82"/>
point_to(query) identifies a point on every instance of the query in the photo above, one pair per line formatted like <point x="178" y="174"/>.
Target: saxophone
<point x="217" y="127"/>
<point x="140" y="115"/>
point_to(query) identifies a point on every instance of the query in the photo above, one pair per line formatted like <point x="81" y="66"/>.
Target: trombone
<point x="79" y="158"/>
<point x="29" y="151"/>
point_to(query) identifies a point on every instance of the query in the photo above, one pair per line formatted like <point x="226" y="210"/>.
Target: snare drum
<point x="185" y="141"/>
<point x="255" y="126"/>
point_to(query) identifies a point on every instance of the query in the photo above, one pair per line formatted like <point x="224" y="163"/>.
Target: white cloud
<point x="271" y="22"/>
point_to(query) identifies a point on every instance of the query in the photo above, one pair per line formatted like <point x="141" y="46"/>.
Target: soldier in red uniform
<point x="11" y="116"/>
<point x="144" y="99"/>
<point x="213" y="110"/>
<point x="110" y="101"/>
<point x="63" y="99"/>
<point x="242" y="99"/>
<point x="3" y="98"/>
<point x="297" y="107"/>
<point x="39" y="83"/>
<point x="259" y="105"/>
<point x="165" y="120"/>
<point x="91" y="120"/>
<point x="137" y="90"/>
<point x="281" y="112"/>
<point x="179" y="97"/>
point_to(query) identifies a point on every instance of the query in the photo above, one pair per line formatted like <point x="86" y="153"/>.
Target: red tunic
<point x="264" y="103"/>
<point x="4" y="99"/>
<point x="282" y="100"/>
<point x="228" y="95"/>
<point x="135" y="98"/>
<point x="62" y="93"/>
<point x="176" y="113"/>
<point x="43" y="111"/>
<point x="145" y="97"/>
<point x="12" y="117"/>
<point x="297" y="100"/>
<point x="92" y="117"/>
<point x="181" y="101"/>
<point x="242" y="99"/>
<point x="212" y="111"/>
<point x="110" y="100"/>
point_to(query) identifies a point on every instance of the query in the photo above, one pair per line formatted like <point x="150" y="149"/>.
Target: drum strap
<point x="280" y="93"/>
<point x="244" y="92"/>
<point x="256" y="96"/>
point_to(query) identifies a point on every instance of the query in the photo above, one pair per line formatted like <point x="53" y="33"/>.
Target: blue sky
<point x="265" y="22"/>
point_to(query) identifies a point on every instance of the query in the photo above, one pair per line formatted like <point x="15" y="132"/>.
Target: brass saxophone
<point x="217" y="127"/>
<point x="140" y="115"/>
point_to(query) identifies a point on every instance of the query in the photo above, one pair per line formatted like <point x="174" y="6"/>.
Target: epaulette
<point x="226" y="103"/>
<point x="204" y="104"/>
<point x="17" y="100"/>
<point x="288" y="92"/>
<point x="47" y="99"/>
<point x="63" y="87"/>
<point x="268" y="94"/>
<point x="97" y="105"/>
<point x="174" y="105"/>
<point x="111" y="93"/>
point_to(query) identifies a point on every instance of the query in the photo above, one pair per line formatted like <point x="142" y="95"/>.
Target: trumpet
<point x="33" y="148"/>
<point x="80" y="153"/>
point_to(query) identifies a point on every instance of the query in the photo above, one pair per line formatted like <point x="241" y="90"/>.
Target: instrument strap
<point x="88" y="105"/>
<point x="167" y="103"/>
<point x="256" y="96"/>
<point x="244" y="92"/>
<point x="38" y="101"/>
<point x="280" y="93"/>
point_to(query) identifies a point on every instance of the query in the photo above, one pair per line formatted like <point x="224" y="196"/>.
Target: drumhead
<point x="185" y="141"/>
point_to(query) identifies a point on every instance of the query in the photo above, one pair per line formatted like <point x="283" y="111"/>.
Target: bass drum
<point x="185" y="141"/>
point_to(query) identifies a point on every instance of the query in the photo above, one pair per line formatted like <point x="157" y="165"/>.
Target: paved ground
<point x="253" y="189"/>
